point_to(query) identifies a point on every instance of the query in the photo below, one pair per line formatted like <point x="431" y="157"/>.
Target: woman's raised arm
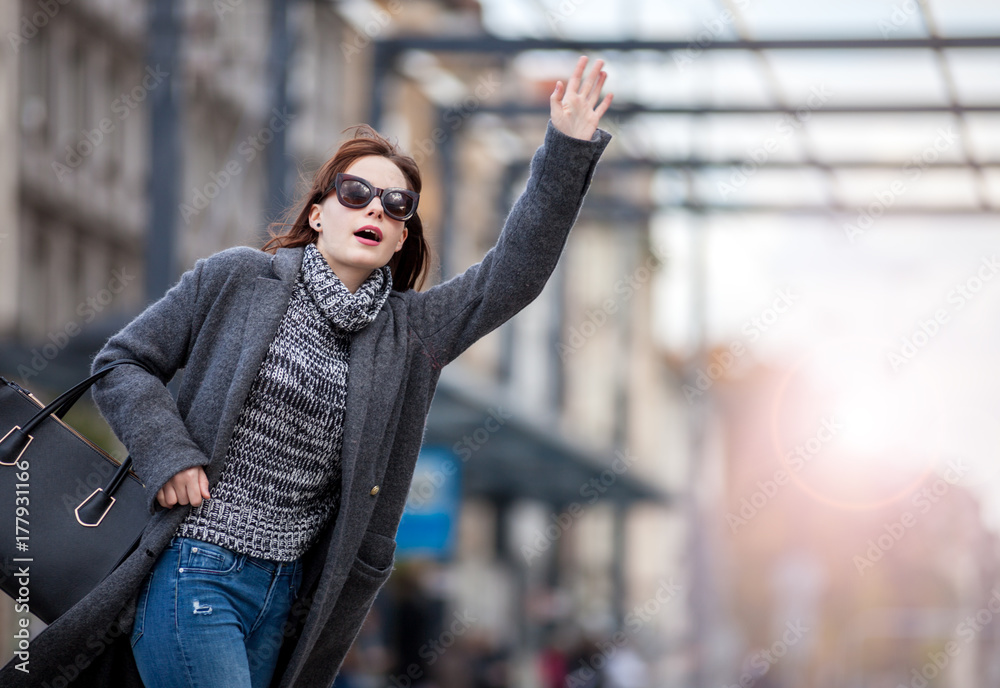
<point x="450" y="317"/>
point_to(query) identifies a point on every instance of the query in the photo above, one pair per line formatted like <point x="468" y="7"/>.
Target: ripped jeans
<point x="208" y="617"/>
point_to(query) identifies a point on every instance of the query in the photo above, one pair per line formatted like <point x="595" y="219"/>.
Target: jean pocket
<point x="140" y="608"/>
<point x="203" y="557"/>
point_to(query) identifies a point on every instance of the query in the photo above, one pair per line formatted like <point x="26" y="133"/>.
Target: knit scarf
<point x="345" y="311"/>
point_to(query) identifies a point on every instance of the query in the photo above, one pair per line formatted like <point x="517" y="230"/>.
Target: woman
<point x="280" y="478"/>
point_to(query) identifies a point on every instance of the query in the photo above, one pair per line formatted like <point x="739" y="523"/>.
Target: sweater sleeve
<point x="451" y="316"/>
<point x="139" y="408"/>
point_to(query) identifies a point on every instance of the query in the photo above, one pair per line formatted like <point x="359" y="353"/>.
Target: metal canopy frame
<point x="389" y="51"/>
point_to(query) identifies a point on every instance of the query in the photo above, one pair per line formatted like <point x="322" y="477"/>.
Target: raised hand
<point x="572" y="108"/>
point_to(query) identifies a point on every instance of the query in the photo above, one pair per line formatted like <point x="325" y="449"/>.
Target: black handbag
<point x="70" y="512"/>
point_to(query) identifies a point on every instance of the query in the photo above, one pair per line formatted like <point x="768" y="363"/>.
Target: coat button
<point x="374" y="491"/>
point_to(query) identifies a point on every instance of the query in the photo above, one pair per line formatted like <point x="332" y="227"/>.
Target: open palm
<point x="572" y="107"/>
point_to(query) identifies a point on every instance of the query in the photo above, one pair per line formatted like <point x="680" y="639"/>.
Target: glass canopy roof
<point x="847" y="151"/>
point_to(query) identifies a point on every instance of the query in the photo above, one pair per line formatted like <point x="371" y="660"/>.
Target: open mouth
<point x="369" y="235"/>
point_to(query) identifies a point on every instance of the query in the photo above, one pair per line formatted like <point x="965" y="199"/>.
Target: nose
<point x="372" y="209"/>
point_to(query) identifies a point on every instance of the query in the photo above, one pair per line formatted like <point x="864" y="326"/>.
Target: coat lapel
<point x="267" y="305"/>
<point x="359" y="394"/>
<point x="377" y="365"/>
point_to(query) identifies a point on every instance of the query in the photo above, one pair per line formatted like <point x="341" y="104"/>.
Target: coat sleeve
<point x="451" y="316"/>
<point x="139" y="408"/>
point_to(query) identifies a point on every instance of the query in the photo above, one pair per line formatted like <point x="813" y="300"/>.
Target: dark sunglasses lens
<point x="396" y="204"/>
<point x="354" y="192"/>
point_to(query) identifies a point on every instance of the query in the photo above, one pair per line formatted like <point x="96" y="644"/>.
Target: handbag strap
<point x="74" y="394"/>
<point x="13" y="444"/>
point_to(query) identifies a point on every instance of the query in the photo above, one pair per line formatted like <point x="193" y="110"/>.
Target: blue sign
<point x="431" y="514"/>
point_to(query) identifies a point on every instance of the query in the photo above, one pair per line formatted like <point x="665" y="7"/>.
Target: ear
<point x="314" y="215"/>
<point x="406" y="232"/>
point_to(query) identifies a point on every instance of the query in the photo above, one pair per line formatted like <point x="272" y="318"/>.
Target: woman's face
<point x="353" y="257"/>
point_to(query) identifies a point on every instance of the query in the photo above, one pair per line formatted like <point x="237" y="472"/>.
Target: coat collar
<point x="286" y="263"/>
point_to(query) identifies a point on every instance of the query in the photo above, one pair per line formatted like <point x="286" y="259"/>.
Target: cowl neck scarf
<point x="346" y="311"/>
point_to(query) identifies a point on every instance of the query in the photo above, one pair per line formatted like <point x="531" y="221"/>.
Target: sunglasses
<point x="355" y="192"/>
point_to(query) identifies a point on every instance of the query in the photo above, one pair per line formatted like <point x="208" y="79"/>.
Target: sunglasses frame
<point x="376" y="192"/>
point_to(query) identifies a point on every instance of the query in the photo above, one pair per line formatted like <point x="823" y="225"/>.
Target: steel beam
<point x="494" y="45"/>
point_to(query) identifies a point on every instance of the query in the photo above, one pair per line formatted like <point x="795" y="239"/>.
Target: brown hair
<point x="409" y="264"/>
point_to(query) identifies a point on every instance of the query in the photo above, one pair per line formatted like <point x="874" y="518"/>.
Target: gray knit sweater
<point x="282" y="476"/>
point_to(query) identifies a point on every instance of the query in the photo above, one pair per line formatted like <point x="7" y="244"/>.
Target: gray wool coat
<point x="216" y="324"/>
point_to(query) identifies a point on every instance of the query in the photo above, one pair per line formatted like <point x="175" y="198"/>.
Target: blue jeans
<point x="208" y="617"/>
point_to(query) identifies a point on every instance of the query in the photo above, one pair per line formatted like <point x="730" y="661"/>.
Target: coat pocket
<point x="376" y="556"/>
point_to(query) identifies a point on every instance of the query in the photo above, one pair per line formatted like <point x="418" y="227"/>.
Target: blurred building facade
<point x="77" y="165"/>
